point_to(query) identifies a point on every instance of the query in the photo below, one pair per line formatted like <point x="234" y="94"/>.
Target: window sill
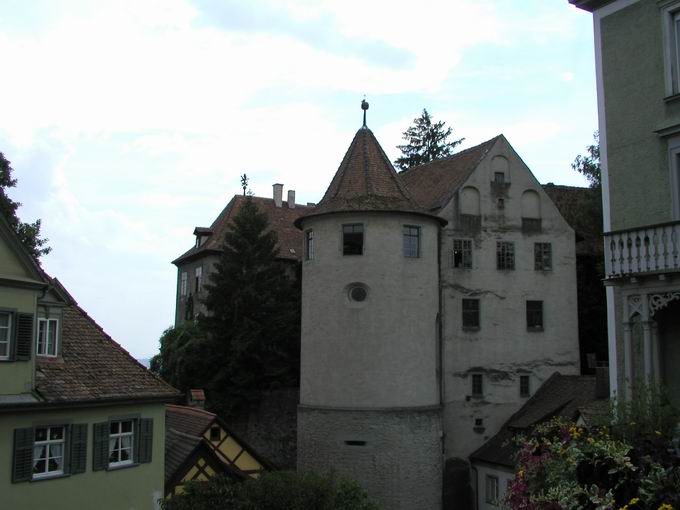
<point x="122" y="466"/>
<point x="471" y="329"/>
<point x="41" y="478"/>
<point x="672" y="98"/>
<point x="535" y="330"/>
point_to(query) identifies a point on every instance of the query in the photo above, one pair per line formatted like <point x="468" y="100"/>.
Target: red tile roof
<point x="93" y="367"/>
<point x="280" y="221"/>
<point x="433" y="184"/>
<point x="366" y="181"/>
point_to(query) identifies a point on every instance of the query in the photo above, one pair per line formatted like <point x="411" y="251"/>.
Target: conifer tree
<point x="253" y="320"/>
<point x="426" y="142"/>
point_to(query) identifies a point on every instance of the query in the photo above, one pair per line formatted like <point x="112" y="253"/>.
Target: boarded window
<point x="505" y="255"/>
<point x="471" y="313"/>
<point x="462" y="254"/>
<point x="353" y="239"/>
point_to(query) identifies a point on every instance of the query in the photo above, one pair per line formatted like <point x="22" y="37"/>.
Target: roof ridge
<point x="452" y="156"/>
<point x="190" y="410"/>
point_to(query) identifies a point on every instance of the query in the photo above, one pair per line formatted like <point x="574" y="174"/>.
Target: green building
<point x="82" y="423"/>
<point x="637" y="54"/>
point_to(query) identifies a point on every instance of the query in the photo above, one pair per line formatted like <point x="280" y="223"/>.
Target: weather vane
<point x="244" y="183"/>
<point x="364" y="107"/>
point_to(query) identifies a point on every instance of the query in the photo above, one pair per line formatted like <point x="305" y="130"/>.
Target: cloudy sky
<point x="128" y="123"/>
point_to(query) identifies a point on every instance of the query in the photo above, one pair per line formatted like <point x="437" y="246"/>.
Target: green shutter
<point x="100" y="446"/>
<point x="22" y="465"/>
<point x="78" y="449"/>
<point x="145" y="444"/>
<point x="24" y="336"/>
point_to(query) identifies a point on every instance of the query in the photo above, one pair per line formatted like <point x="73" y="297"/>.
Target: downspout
<point x="476" y="493"/>
<point x="440" y="343"/>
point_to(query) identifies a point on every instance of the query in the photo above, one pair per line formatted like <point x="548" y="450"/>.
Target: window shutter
<point x="24" y="336"/>
<point x="100" y="450"/>
<point x="78" y="449"/>
<point x="145" y="444"/>
<point x="22" y="466"/>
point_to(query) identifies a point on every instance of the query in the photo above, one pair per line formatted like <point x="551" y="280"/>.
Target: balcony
<point x="654" y="249"/>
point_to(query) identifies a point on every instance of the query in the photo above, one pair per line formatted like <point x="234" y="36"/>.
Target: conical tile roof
<point x="366" y="181"/>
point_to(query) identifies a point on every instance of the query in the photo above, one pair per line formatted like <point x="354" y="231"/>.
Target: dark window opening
<point x="215" y="433"/>
<point x="355" y="443"/>
<point x="505" y="255"/>
<point x="524" y="389"/>
<point x="535" y="315"/>
<point x="531" y="225"/>
<point x="462" y="253"/>
<point x="471" y="313"/>
<point x="542" y="256"/>
<point x="309" y="245"/>
<point x="499" y="177"/>
<point x="477" y="385"/>
<point x="353" y="239"/>
<point x="358" y="293"/>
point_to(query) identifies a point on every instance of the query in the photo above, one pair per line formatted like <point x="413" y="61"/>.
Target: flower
<point x="666" y="506"/>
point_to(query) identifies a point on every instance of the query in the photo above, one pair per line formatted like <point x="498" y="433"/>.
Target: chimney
<point x="196" y="398"/>
<point x="602" y="382"/>
<point x="291" y="199"/>
<point x="278" y="194"/>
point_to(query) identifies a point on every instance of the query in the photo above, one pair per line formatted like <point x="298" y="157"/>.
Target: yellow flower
<point x="666" y="506"/>
<point x="657" y="432"/>
<point x="634" y="501"/>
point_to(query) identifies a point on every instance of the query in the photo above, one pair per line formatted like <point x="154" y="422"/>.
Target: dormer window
<point x="353" y="239"/>
<point x="47" y="337"/>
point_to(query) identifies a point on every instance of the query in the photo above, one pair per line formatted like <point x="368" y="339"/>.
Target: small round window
<point x="358" y="293"/>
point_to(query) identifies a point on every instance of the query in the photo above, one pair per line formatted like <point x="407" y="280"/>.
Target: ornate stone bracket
<point x="660" y="301"/>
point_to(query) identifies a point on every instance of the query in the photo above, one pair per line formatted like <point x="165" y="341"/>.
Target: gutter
<point x="54" y="405"/>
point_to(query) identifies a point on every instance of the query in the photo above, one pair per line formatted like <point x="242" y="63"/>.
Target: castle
<point x="434" y="303"/>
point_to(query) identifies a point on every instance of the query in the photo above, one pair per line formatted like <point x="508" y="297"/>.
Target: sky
<point x="128" y="123"/>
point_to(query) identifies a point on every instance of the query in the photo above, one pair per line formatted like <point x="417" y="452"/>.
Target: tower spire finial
<point x="364" y="107"/>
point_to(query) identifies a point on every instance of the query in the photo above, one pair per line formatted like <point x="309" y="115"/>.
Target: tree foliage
<point x="427" y="141"/>
<point x="589" y="165"/>
<point x="274" y="491"/>
<point x="249" y="341"/>
<point x="28" y="233"/>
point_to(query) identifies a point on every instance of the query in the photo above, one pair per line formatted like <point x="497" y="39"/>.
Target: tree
<point x="589" y="166"/>
<point x="28" y="233"/>
<point x="426" y="142"/>
<point x="253" y="324"/>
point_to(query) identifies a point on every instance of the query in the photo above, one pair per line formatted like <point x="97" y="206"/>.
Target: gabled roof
<point x="280" y="221"/>
<point x="366" y="181"/>
<point x="434" y="183"/>
<point x="94" y="368"/>
<point x="560" y="395"/>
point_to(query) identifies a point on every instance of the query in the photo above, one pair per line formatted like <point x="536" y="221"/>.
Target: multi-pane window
<point x="535" y="315"/>
<point x="411" y="241"/>
<point x="353" y="239"/>
<point x="309" y="245"/>
<point x="491" y="493"/>
<point x="505" y="255"/>
<point x="462" y="253"/>
<point x="48" y="451"/>
<point x="542" y="256"/>
<point x="198" y="277"/>
<point x="47" y="337"/>
<point x="121" y="440"/>
<point x="5" y="330"/>
<point x="477" y="385"/>
<point x="470" y="313"/>
<point x="499" y="177"/>
<point x="183" y="283"/>
<point x="524" y="388"/>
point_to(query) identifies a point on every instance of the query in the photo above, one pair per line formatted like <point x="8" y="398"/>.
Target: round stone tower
<point x="369" y="390"/>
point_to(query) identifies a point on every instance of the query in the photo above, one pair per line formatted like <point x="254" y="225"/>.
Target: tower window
<point x="411" y="241"/>
<point x="309" y="245"/>
<point x="462" y="253"/>
<point x="353" y="239"/>
<point x="198" y="277"/>
<point x="470" y="313"/>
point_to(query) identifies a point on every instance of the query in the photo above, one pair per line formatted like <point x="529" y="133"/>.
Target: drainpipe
<point x="476" y="495"/>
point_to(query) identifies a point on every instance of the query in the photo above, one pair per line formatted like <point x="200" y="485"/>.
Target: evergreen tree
<point x="426" y="142"/>
<point x="253" y="320"/>
<point x="28" y="233"/>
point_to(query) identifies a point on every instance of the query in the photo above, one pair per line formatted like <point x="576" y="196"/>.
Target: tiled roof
<point x="560" y="395"/>
<point x="94" y="367"/>
<point x="433" y="184"/>
<point x="184" y="428"/>
<point x="574" y="204"/>
<point x="178" y="447"/>
<point x="366" y="181"/>
<point x="280" y="221"/>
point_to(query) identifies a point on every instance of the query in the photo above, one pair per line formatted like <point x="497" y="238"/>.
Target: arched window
<point x="531" y="212"/>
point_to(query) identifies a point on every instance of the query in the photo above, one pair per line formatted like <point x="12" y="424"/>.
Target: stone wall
<point x="395" y="454"/>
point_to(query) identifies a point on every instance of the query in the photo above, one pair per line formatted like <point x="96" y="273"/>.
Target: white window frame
<point x="50" y="324"/>
<point x="670" y="26"/>
<point x="674" y="169"/>
<point x="198" y="278"/>
<point x="48" y="443"/>
<point x="543" y="256"/>
<point x="183" y="283"/>
<point x="464" y="247"/>
<point x="491" y="489"/>
<point x="116" y="443"/>
<point x="8" y="339"/>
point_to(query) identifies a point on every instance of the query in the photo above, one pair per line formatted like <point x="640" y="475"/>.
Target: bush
<point x="273" y="491"/>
